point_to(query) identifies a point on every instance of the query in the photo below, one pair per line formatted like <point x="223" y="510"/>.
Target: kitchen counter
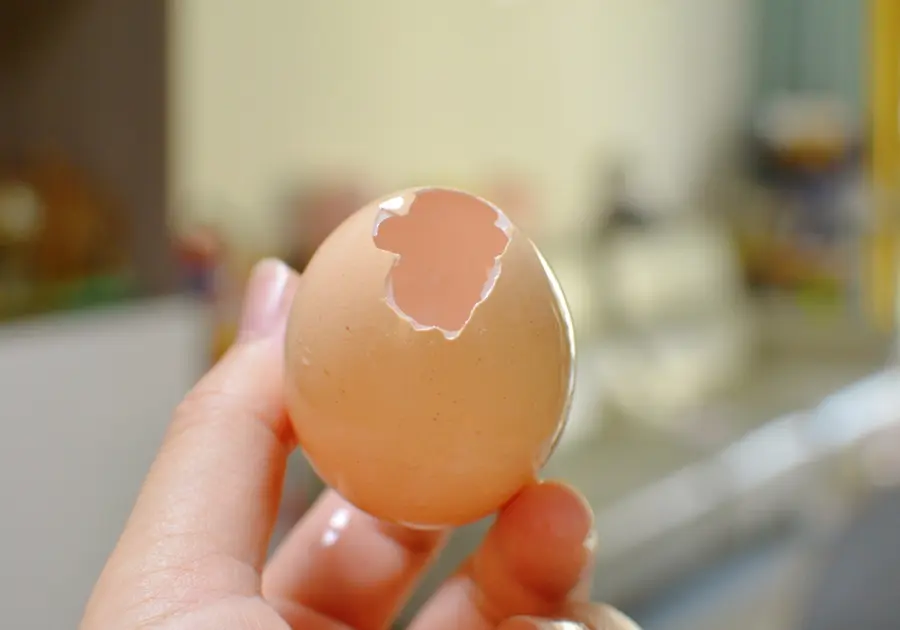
<point x="738" y="476"/>
<point x="84" y="398"/>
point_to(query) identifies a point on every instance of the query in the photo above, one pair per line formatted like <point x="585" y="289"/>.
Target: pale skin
<point x="193" y="555"/>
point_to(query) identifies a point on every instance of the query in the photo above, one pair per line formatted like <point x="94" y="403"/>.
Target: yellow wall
<point x="884" y="22"/>
<point x="410" y="90"/>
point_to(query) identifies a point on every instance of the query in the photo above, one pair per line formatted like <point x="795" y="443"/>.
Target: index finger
<point x="209" y="502"/>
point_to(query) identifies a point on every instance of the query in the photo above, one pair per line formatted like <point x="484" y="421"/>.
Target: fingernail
<point x="602" y="617"/>
<point x="266" y="301"/>
<point x="621" y="621"/>
<point x="590" y="541"/>
<point x="590" y="536"/>
<point x="530" y="623"/>
<point x="582" y="590"/>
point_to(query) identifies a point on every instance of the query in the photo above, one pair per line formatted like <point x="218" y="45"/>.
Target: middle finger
<point x="347" y="566"/>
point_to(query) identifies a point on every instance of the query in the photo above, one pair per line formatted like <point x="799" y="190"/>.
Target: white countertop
<point x="84" y="400"/>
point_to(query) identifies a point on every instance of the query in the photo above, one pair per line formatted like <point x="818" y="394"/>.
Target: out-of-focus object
<point x="85" y="402"/>
<point x="207" y="272"/>
<point x="576" y="261"/>
<point x="313" y="212"/>
<point x="668" y="270"/>
<point x="807" y="158"/>
<point x="620" y="210"/>
<point x="814" y="47"/>
<point x="225" y="315"/>
<point x="25" y="25"/>
<point x="883" y="243"/>
<point x="21" y="217"/>
<point x="231" y="278"/>
<point x="83" y="89"/>
<point x="580" y="263"/>
<point x="512" y="192"/>
<point x="84" y="232"/>
<point x="201" y="253"/>
<point x="64" y="242"/>
<point x="675" y="326"/>
<point x="429" y="363"/>
<point x="572" y="269"/>
<point x="858" y="585"/>
<point x="21" y="212"/>
<point x="807" y="131"/>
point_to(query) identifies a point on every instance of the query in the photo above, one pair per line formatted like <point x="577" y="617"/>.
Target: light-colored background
<point x="263" y="92"/>
<point x="84" y="403"/>
<point x="564" y="87"/>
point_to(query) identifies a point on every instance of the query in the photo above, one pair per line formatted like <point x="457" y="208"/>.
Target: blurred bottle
<point x="21" y="217"/>
<point x="808" y="160"/>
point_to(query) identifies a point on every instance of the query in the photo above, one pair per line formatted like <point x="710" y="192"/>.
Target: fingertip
<point x="267" y="299"/>
<point x="534" y="623"/>
<point x="536" y="555"/>
<point x="553" y="510"/>
<point x="546" y="537"/>
<point x="582" y="617"/>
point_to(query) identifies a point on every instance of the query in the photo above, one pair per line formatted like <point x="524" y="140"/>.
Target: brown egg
<point x="429" y="359"/>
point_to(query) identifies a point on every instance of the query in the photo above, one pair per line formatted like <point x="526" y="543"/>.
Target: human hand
<point x="193" y="553"/>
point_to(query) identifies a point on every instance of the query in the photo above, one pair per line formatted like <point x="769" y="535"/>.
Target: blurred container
<point x="21" y="218"/>
<point x="807" y="156"/>
<point x="64" y="243"/>
<point x="676" y="324"/>
<point x="201" y="252"/>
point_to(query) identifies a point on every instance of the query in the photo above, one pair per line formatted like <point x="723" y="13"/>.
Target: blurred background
<point x="714" y="181"/>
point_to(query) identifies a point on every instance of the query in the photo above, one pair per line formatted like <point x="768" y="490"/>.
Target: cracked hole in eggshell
<point x="448" y="247"/>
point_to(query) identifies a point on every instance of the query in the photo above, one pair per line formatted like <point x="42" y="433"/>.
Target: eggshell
<point x="416" y="408"/>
